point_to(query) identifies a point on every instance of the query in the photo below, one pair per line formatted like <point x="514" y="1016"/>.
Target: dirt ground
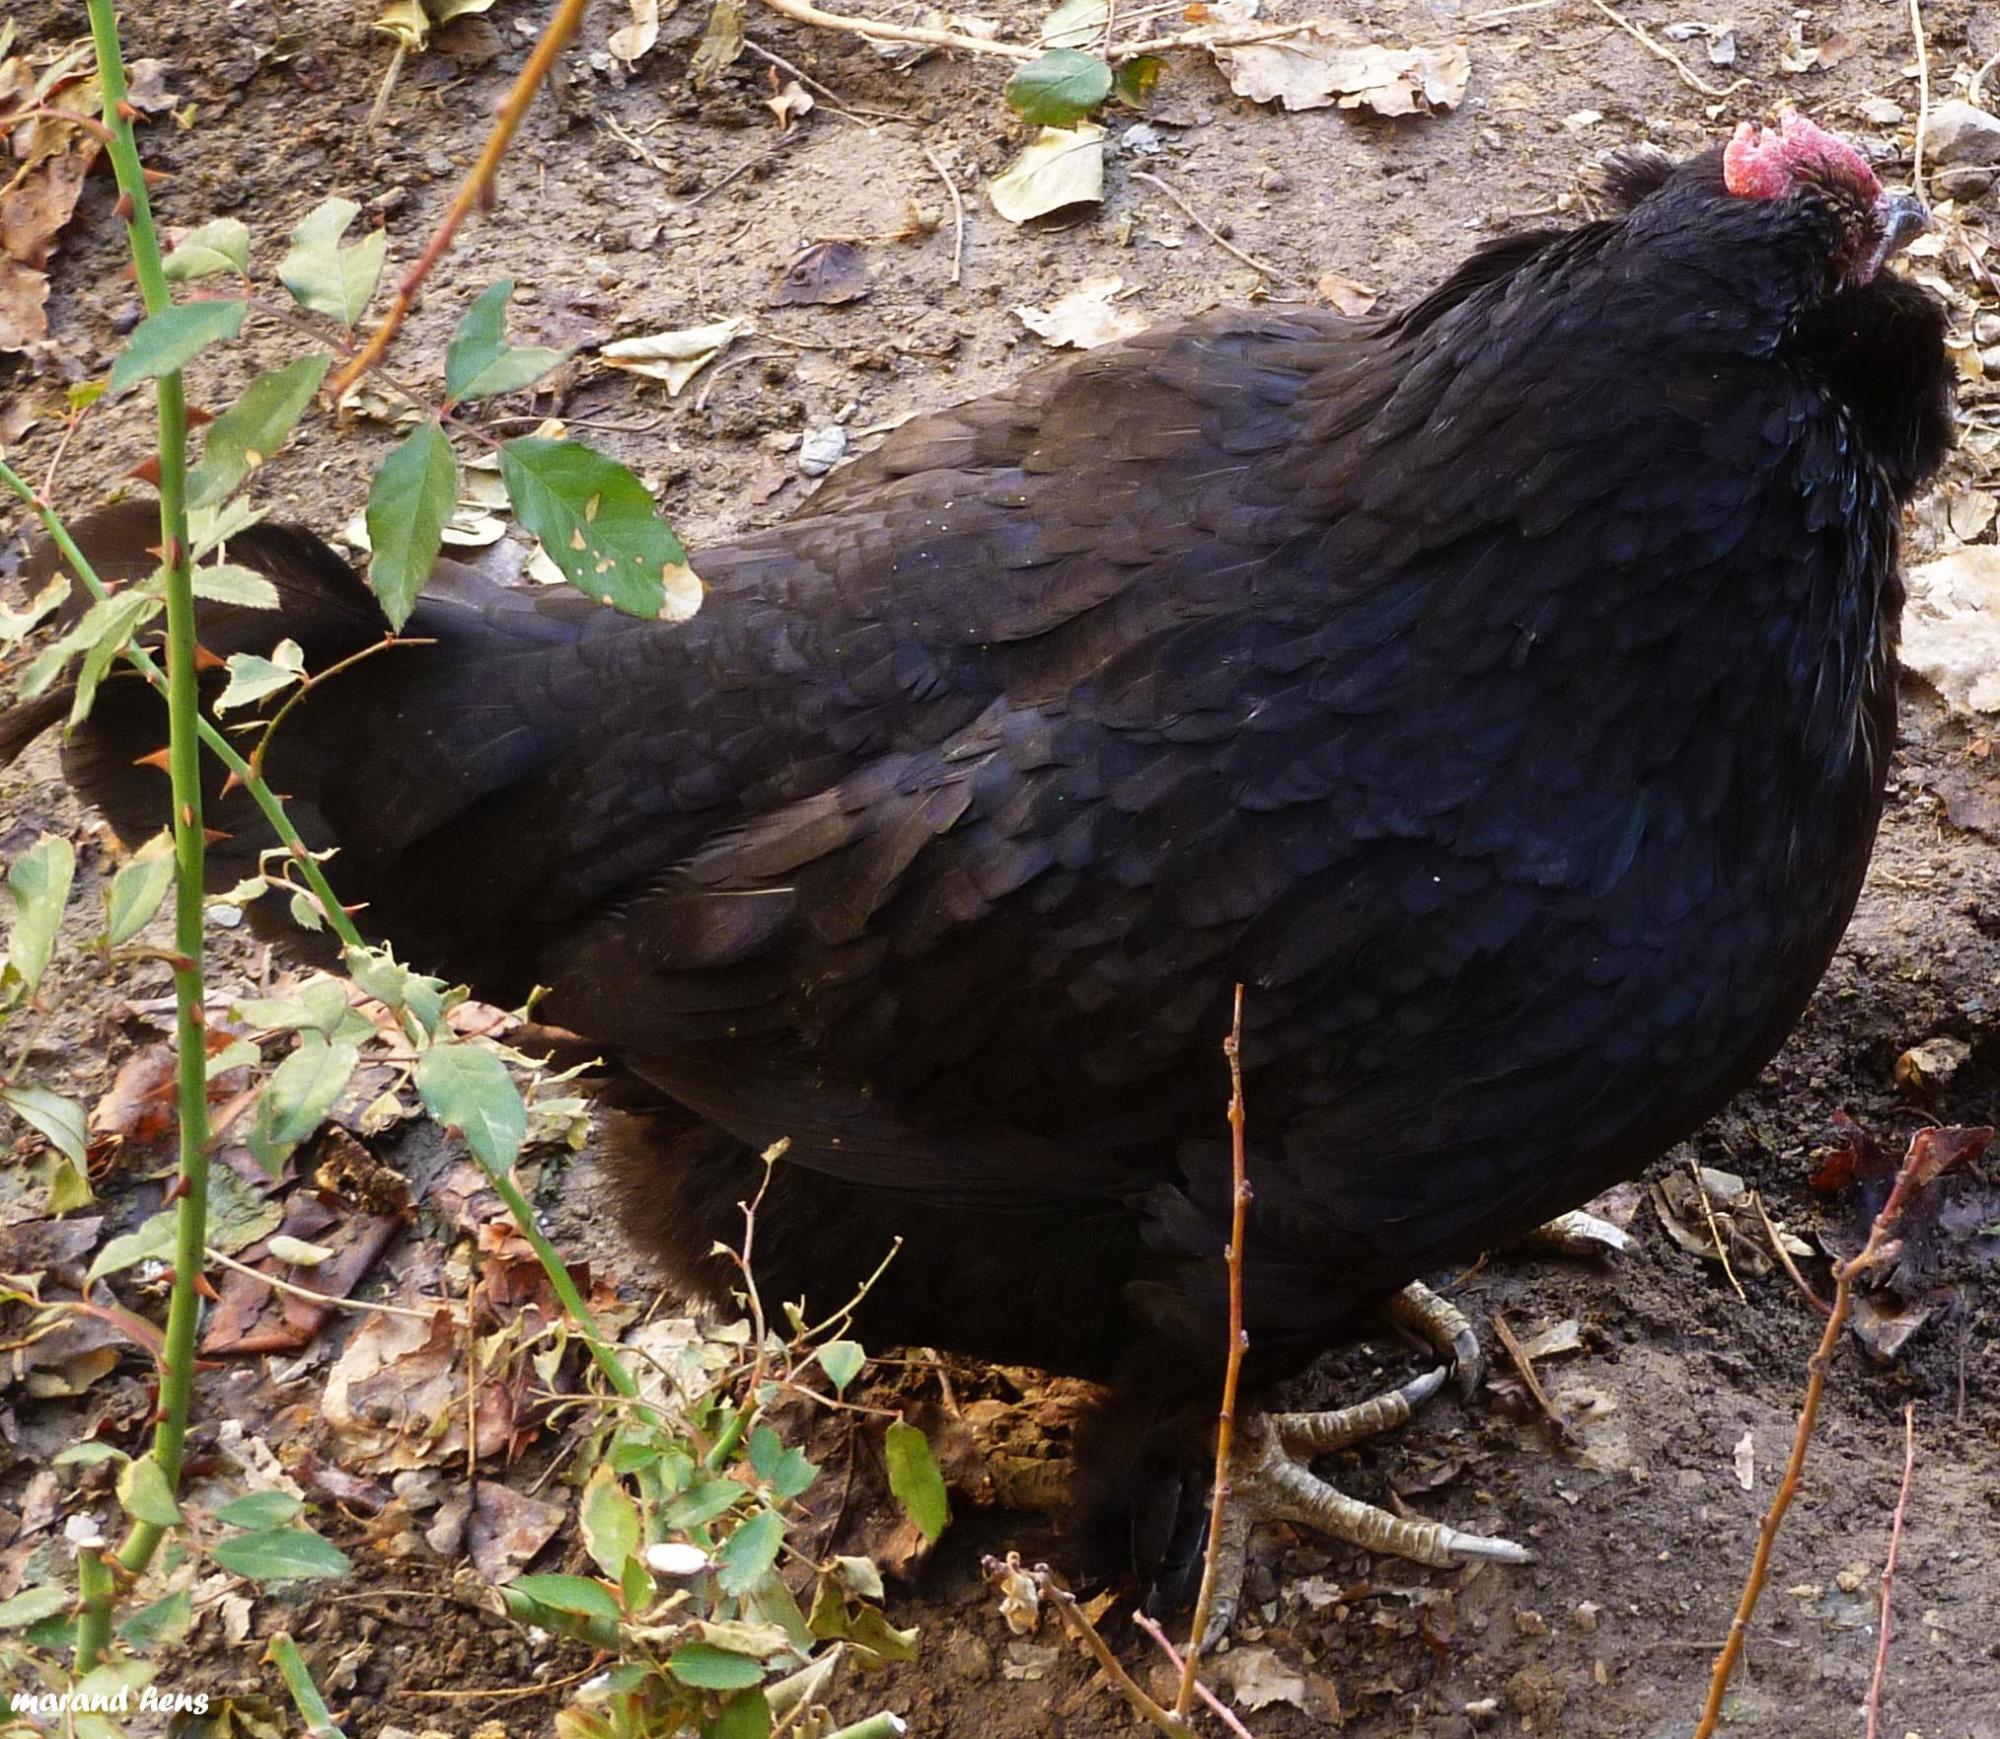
<point x="632" y="204"/>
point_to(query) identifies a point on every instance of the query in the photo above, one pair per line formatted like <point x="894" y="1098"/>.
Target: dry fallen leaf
<point x="1314" y="70"/>
<point x="789" y="104"/>
<point x="1346" y="295"/>
<point x="1088" y="316"/>
<point x="629" y="41"/>
<point x="674" y="358"/>
<point x="1064" y="166"/>
<point x="827" y="274"/>
<point x="1951" y="628"/>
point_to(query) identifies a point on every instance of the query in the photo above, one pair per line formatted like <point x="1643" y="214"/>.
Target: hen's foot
<point x="1270" y="1481"/>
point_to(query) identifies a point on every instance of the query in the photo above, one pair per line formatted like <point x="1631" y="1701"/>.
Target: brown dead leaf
<point x="827" y="274"/>
<point x="254" y="1318"/>
<point x="1314" y="69"/>
<point x="629" y="41"/>
<point x="33" y="212"/>
<point x="790" y="104"/>
<point x="1346" y="296"/>
<point x="1089" y="316"/>
<point x="396" y="1396"/>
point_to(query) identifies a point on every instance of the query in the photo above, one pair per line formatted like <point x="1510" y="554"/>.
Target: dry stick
<point x="1232" y="1370"/>
<point x="1889" y="1568"/>
<point x="1784" y="1256"/>
<point x="1525" y="1368"/>
<point x="1844" y="1276"/>
<point x="1972" y="94"/>
<point x="1923" y="98"/>
<point x="513" y="109"/>
<point x="1221" y="1710"/>
<point x="957" y="213"/>
<point x="1188" y="211"/>
<point x="1690" y="78"/>
<point x="924" y="36"/>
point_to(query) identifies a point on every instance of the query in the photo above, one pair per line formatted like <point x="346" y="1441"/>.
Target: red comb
<point x="1766" y="162"/>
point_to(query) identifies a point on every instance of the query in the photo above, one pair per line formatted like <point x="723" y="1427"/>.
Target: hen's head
<point x="1796" y="160"/>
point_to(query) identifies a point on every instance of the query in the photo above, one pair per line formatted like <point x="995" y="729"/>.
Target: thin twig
<point x="1923" y="125"/>
<point x="1715" y="1232"/>
<point x="1226" y="1715"/>
<point x="1688" y="76"/>
<point x="1889" y="1568"/>
<point x="1524" y="1368"/>
<point x="1918" y="1169"/>
<point x="1978" y="84"/>
<point x="1232" y="1369"/>
<point x="513" y="109"/>
<point x="310" y="1297"/>
<point x="833" y="98"/>
<point x="1193" y="217"/>
<point x="957" y="213"/>
<point x="1784" y="1256"/>
<point x="1077" y="1622"/>
<point x="878" y="30"/>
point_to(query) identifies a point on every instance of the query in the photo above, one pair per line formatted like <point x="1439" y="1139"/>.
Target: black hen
<point x="1501" y="692"/>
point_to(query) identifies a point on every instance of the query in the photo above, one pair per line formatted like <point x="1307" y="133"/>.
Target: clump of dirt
<point x="632" y="204"/>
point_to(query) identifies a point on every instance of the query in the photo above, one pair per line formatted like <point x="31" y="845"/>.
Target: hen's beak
<point x="1899" y="219"/>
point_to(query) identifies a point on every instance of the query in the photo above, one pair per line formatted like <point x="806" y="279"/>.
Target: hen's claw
<point x="1443" y="1327"/>
<point x="1578" y="1234"/>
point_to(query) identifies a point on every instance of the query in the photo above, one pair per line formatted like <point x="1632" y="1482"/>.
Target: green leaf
<point x="1060" y="88"/>
<point x="60" y="1119"/>
<point x="696" y="1508"/>
<point x="124" y="615"/>
<point x="284" y="1654"/>
<point x="281" y="1555"/>
<point x="220" y="246"/>
<point x="783" y="1467"/>
<point x="411" y="499"/>
<point x="914" y="1479"/>
<point x="1076" y="23"/>
<point x="298" y="1096"/>
<point x="386" y="979"/>
<point x="170" y="339"/>
<point x="326" y="277"/>
<point x="842" y="1360"/>
<point x="226" y="583"/>
<point x="137" y="889"/>
<point x="714" y="1669"/>
<point x="88" y="1453"/>
<point x="100" y="618"/>
<point x="861" y="1574"/>
<point x="596" y="523"/>
<point x="610" y="1522"/>
<point x="467" y="1087"/>
<point x="749" y="1552"/>
<point x="254" y="427"/>
<point x="259" y="1509"/>
<point x="1134" y="80"/>
<point x="69" y="1187"/>
<point x="146" y="1495"/>
<point x="320" y="1004"/>
<point x="32" y="1605"/>
<point x="38" y="885"/>
<point x="480" y="362"/>
<point x="151" y="1241"/>
<point x="577" y="1594"/>
<point x="167" y="1620"/>
<point x="251" y="677"/>
<point x="744" y="1717"/>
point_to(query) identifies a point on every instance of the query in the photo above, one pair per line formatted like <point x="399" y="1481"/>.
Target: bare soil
<point x="632" y="204"/>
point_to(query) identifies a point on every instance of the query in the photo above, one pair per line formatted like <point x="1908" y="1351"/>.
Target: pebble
<point x="822" y="449"/>
<point x="1959" y="133"/>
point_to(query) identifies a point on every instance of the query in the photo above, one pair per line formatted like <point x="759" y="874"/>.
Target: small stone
<point x="822" y="449"/>
<point x="1986" y="329"/>
<point x="1959" y="133"/>
<point x="1529" y="1622"/>
<point x="1274" y="181"/>
<point x="1586" y="1615"/>
<point x="1964" y="183"/>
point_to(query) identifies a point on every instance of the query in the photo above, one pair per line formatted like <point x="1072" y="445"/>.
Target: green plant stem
<point x="220" y="746"/>
<point x="184" y="767"/>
